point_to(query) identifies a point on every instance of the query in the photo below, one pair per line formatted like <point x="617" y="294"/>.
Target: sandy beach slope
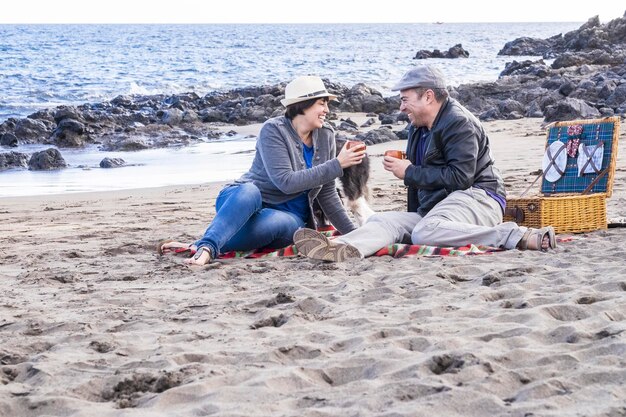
<point x="94" y="323"/>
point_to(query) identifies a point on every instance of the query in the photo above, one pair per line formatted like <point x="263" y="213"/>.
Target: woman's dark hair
<point x="298" y="108"/>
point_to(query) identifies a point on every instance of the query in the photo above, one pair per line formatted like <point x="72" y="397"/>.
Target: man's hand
<point x="396" y="166"/>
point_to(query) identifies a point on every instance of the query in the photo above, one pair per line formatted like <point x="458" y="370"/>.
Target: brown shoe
<point x="533" y="239"/>
<point x="315" y="245"/>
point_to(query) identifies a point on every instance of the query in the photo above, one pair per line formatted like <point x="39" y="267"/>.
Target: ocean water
<point x="43" y="66"/>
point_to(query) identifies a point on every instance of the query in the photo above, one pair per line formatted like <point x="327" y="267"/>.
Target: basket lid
<point x="585" y="167"/>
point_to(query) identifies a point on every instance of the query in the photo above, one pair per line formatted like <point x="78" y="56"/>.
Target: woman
<point x="294" y="164"/>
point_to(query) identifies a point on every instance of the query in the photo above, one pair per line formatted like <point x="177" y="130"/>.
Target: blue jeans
<point x="242" y="223"/>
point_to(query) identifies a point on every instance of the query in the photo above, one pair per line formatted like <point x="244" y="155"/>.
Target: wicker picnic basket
<point x="576" y="202"/>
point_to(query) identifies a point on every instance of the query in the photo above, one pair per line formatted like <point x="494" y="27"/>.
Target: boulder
<point x="570" y="109"/>
<point x="46" y="160"/>
<point x="112" y="163"/>
<point x="13" y="160"/>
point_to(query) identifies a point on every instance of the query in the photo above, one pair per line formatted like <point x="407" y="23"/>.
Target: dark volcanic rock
<point x="534" y="68"/>
<point x="10" y="160"/>
<point x="29" y="130"/>
<point x="583" y="81"/>
<point x="456" y="51"/>
<point x="8" y="139"/>
<point x="526" y="46"/>
<point x="570" y="109"/>
<point x="112" y="163"/>
<point x="380" y="135"/>
<point x="70" y="133"/>
<point x="361" y="98"/>
<point x="46" y="160"/>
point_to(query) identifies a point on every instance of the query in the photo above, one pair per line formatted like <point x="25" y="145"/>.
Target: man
<point x="455" y="193"/>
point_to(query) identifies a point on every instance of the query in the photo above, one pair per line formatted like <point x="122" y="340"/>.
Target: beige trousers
<point x="464" y="217"/>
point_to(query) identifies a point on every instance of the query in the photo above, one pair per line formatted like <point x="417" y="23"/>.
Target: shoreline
<point x="532" y="126"/>
<point x="517" y="177"/>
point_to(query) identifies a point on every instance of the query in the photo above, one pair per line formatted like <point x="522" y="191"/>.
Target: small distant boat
<point x="439" y="23"/>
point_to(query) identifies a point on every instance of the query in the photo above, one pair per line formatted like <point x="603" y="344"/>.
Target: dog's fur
<point x="354" y="190"/>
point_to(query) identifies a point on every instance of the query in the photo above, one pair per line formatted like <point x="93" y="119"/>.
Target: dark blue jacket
<point x="457" y="158"/>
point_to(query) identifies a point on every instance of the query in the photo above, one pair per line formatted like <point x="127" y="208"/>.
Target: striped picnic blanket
<point x="397" y="250"/>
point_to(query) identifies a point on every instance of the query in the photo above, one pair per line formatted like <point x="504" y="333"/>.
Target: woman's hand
<point x="353" y="156"/>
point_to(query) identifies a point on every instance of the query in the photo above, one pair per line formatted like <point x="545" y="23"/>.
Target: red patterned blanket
<point x="397" y="250"/>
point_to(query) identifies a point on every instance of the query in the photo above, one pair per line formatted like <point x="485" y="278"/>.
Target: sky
<point x="295" y="11"/>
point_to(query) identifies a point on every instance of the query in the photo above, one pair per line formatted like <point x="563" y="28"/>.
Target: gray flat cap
<point x="422" y="76"/>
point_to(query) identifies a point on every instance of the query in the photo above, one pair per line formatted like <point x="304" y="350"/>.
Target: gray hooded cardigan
<point x="280" y="173"/>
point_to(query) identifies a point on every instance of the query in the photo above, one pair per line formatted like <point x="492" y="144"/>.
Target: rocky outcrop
<point x="527" y="46"/>
<point x="142" y="122"/>
<point x="456" y="51"/>
<point x="585" y="79"/>
<point x="534" y="90"/>
<point x="130" y="123"/>
<point x="590" y="36"/>
<point x="593" y="43"/>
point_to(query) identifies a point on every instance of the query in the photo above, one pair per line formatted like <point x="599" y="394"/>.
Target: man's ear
<point x="430" y="96"/>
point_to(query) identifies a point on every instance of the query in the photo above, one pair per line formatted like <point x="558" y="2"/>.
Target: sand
<point x="94" y="323"/>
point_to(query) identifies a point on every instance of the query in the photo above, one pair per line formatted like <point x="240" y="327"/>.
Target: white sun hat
<point x="554" y="161"/>
<point x="305" y="88"/>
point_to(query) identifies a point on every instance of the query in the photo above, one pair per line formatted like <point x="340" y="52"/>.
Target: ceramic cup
<point x="395" y="154"/>
<point x="355" y="144"/>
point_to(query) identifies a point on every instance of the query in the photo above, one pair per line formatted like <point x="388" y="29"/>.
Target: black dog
<point x="354" y="189"/>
